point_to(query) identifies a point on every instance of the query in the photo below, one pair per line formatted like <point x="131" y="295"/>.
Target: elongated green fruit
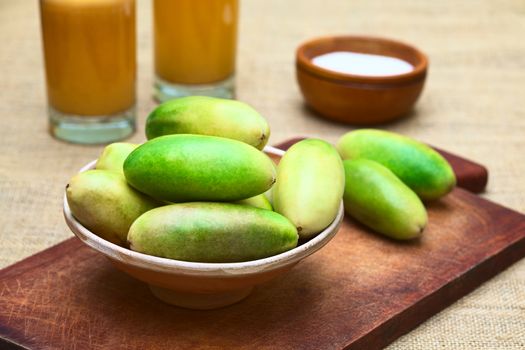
<point x="183" y="168"/>
<point x="309" y="186"/>
<point x="209" y="116"/>
<point x="421" y="168"/>
<point x="114" y="155"/>
<point x="102" y="201"/>
<point x="378" y="199"/>
<point x="259" y="201"/>
<point x="212" y="232"/>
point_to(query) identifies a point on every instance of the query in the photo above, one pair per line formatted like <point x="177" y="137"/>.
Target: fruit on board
<point x="378" y="199"/>
<point x="420" y="167"/>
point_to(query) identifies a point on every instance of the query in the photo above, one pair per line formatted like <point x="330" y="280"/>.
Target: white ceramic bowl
<point x="200" y="285"/>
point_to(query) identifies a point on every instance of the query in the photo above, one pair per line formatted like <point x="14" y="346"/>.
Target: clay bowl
<point x="356" y="99"/>
<point x="200" y="285"/>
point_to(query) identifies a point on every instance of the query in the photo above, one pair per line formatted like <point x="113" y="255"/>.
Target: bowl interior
<point x="137" y="259"/>
<point x="360" y="44"/>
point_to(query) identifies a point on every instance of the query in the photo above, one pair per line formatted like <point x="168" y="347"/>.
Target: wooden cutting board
<point x="361" y="291"/>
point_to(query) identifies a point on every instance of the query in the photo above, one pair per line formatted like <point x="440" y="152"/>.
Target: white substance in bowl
<point x="362" y="64"/>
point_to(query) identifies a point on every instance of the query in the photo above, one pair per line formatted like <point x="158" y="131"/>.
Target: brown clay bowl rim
<point x="303" y="61"/>
<point x="176" y="267"/>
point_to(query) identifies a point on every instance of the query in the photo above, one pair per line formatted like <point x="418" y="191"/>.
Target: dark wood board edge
<point x="470" y="175"/>
<point x="410" y="318"/>
<point x="7" y="344"/>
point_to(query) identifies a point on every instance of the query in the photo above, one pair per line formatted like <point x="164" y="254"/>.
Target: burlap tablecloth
<point x="473" y="105"/>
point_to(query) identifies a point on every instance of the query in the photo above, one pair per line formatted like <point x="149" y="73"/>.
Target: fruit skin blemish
<point x="363" y="64"/>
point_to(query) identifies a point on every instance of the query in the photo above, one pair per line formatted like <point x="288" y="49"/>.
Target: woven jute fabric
<point x="473" y="105"/>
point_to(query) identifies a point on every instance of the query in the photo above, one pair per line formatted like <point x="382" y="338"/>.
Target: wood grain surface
<point x="361" y="291"/>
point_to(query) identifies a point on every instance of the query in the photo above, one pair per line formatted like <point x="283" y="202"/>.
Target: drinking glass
<point x="90" y="64"/>
<point x="195" y="45"/>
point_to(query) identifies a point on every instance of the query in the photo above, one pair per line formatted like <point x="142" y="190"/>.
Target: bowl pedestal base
<point x="200" y="301"/>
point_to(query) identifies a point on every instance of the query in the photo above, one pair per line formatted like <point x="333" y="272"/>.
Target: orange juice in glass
<point x="195" y="45"/>
<point x="90" y="62"/>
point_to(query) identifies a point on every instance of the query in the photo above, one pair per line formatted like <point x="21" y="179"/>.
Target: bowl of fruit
<point x="200" y="212"/>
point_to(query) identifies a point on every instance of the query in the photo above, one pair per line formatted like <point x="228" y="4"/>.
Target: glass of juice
<point x="195" y="45"/>
<point x="90" y="63"/>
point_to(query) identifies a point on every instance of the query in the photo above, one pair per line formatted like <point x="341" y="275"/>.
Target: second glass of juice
<point x="195" y="45"/>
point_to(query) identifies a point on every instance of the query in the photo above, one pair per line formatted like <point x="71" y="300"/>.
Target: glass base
<point x="91" y="129"/>
<point x="164" y="90"/>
